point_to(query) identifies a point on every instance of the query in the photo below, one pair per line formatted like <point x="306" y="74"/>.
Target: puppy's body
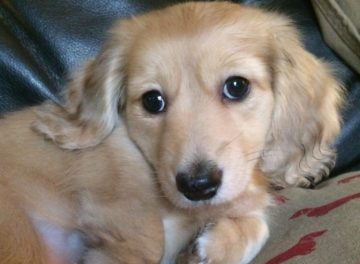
<point x="215" y="98"/>
<point x="46" y="189"/>
<point x="48" y="193"/>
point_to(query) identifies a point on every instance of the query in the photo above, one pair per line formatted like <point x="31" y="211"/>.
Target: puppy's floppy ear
<point x="306" y="117"/>
<point x="92" y="98"/>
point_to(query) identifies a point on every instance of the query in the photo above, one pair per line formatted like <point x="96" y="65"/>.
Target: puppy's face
<point x="198" y="101"/>
<point x="206" y="88"/>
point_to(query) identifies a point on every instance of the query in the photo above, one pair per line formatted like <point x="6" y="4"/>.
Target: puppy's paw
<point x="230" y="240"/>
<point x="196" y="252"/>
<point x="189" y="256"/>
<point x="209" y="246"/>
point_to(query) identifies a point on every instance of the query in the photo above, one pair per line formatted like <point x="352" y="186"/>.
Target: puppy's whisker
<point x="257" y="152"/>
<point x="260" y="155"/>
<point x="226" y="144"/>
<point x="252" y="159"/>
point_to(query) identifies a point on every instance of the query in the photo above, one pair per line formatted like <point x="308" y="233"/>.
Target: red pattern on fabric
<point x="280" y="199"/>
<point x="325" y="209"/>
<point x="304" y="246"/>
<point x="348" y="179"/>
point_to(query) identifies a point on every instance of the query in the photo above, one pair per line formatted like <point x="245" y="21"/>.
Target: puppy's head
<point x="210" y="93"/>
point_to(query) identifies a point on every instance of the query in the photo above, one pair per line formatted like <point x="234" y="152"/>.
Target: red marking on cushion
<point x="303" y="247"/>
<point x="348" y="179"/>
<point x="325" y="209"/>
<point x="280" y="199"/>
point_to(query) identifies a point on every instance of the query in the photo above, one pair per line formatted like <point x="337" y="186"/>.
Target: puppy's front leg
<point x="121" y="231"/>
<point x="230" y="240"/>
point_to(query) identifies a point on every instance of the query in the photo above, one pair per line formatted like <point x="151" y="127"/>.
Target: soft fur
<point x="120" y="189"/>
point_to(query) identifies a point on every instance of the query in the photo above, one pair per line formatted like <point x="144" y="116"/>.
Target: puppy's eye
<point x="236" y="88"/>
<point x="153" y="102"/>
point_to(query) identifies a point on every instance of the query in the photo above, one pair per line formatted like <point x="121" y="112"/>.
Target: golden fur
<point x="113" y="151"/>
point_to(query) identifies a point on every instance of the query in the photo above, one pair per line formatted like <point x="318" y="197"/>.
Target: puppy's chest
<point x="62" y="245"/>
<point x="178" y="232"/>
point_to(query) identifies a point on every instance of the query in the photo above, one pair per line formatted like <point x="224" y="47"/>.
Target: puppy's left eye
<point x="236" y="88"/>
<point x="154" y="102"/>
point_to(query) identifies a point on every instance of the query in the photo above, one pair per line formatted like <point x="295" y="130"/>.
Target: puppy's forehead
<point x="200" y="38"/>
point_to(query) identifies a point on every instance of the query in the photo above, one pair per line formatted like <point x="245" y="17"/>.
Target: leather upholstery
<point x="41" y="41"/>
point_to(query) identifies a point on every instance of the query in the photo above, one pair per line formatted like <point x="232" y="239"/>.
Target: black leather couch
<point x="42" y="41"/>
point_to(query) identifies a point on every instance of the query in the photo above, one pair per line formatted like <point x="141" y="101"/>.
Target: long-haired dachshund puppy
<point x="178" y="123"/>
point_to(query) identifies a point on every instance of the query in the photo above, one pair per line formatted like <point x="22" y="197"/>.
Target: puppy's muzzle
<point x="200" y="182"/>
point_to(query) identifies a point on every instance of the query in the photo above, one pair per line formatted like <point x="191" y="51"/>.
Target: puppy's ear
<point x="92" y="99"/>
<point x="306" y="117"/>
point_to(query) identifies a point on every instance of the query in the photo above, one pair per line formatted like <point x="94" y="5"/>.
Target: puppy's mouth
<point x="201" y="196"/>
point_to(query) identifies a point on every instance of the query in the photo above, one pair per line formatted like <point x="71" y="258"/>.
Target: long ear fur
<point x="306" y="117"/>
<point x="92" y="99"/>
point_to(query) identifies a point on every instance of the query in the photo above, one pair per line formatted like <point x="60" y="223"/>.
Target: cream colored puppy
<point x="218" y="98"/>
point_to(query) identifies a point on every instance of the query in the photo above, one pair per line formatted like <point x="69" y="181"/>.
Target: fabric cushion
<point x="315" y="226"/>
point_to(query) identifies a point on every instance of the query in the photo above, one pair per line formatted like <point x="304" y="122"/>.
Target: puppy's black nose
<point x="200" y="182"/>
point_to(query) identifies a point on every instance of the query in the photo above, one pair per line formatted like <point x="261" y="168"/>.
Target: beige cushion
<point x="319" y="226"/>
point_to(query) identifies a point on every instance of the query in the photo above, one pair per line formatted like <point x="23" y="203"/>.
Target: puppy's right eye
<point x="236" y="88"/>
<point x="153" y="102"/>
